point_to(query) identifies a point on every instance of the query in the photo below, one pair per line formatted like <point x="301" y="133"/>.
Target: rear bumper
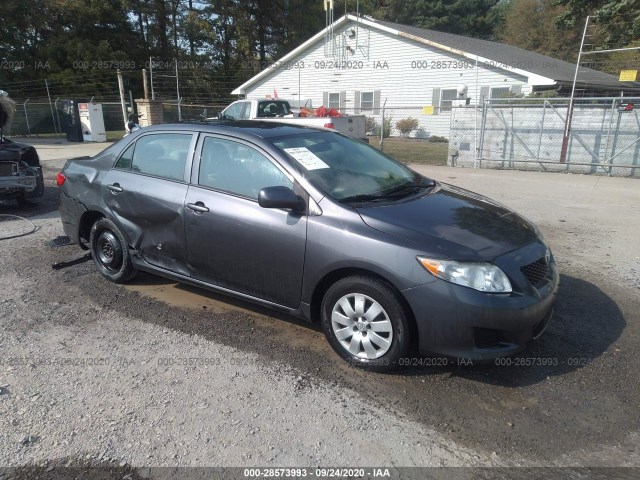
<point x="31" y="185"/>
<point x="461" y="322"/>
<point x="71" y="213"/>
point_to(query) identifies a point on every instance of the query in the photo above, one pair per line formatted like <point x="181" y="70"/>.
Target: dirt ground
<point x="159" y="374"/>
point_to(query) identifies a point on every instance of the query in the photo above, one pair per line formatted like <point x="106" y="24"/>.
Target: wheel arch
<point x="331" y="277"/>
<point x="87" y="220"/>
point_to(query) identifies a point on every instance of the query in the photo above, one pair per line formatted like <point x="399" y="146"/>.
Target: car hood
<point x="7" y="107"/>
<point x="451" y="222"/>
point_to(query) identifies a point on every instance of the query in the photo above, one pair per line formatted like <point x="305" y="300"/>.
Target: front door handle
<point x="198" y="207"/>
<point x="115" y="188"/>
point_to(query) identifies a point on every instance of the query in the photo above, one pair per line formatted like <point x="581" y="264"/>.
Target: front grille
<point x="8" y="168"/>
<point x="535" y="271"/>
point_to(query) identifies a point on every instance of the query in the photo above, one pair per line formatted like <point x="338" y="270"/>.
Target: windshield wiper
<point x="363" y="198"/>
<point x="408" y="188"/>
<point x="400" y="190"/>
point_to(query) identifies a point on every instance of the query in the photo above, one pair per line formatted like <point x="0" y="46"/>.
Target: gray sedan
<point x="320" y="226"/>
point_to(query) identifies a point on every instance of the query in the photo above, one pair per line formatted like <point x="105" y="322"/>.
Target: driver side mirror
<point x="281" y="197"/>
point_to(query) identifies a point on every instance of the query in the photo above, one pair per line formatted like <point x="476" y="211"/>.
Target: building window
<point x="447" y="96"/>
<point x="499" y="92"/>
<point x="366" y="101"/>
<point x="334" y="100"/>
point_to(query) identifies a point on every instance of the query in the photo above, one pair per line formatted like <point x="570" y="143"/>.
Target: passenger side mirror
<point x="281" y="197"/>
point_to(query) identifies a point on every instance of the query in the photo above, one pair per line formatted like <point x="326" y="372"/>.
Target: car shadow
<point x="585" y="324"/>
<point x="196" y="298"/>
<point x="34" y="207"/>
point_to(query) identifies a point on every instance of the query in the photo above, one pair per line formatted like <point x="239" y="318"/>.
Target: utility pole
<point x="567" y="123"/>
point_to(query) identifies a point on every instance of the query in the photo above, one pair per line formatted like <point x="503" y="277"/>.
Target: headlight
<point x="482" y="276"/>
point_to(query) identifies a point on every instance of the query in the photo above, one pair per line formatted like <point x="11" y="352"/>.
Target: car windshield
<point x="347" y="169"/>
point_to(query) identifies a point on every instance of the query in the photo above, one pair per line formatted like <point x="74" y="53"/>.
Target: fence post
<point x="606" y="145"/>
<point x="483" y="125"/>
<point x="615" y="143"/>
<point x="122" y="102"/>
<point x="26" y="116"/>
<point x="178" y="92"/>
<point x="58" y="115"/>
<point x="55" y="128"/>
<point x="544" y="112"/>
<point x="382" y="126"/>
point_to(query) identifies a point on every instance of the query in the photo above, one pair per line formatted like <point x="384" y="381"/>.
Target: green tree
<point x="530" y="24"/>
<point x="618" y="20"/>
<point x="473" y="18"/>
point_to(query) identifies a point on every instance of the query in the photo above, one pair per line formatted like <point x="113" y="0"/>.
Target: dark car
<point x="21" y="176"/>
<point x="318" y="225"/>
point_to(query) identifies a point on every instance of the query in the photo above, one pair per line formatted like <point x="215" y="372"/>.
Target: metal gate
<point x="527" y="134"/>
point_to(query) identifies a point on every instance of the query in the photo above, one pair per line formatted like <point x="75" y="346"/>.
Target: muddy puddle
<point x="185" y="296"/>
<point x="282" y="327"/>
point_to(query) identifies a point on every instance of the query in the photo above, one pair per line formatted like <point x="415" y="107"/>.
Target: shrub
<point x="407" y="125"/>
<point x="371" y="125"/>
<point x="438" y="139"/>
<point x="388" y="126"/>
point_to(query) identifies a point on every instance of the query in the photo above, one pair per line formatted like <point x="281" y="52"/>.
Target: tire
<point x="22" y="200"/>
<point x="350" y="308"/>
<point x="110" y="252"/>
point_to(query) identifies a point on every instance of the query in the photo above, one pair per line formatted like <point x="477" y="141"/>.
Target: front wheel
<point x="110" y="252"/>
<point x="366" y="323"/>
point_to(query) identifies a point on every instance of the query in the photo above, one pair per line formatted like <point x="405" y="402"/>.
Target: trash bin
<point x="71" y="120"/>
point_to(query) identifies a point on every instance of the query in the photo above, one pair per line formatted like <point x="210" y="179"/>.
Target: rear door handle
<point x="115" y="188"/>
<point x="198" y="207"/>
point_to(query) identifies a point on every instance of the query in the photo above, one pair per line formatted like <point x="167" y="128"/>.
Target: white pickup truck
<point x="280" y="111"/>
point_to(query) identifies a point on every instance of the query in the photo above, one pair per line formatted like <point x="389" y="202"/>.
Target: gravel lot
<point x="93" y="373"/>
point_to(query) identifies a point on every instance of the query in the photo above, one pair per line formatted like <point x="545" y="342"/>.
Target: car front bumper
<point x="461" y="322"/>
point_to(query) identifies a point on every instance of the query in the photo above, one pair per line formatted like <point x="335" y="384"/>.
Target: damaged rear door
<point x="145" y="192"/>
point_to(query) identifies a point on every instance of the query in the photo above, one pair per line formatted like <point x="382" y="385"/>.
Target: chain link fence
<point x="430" y="121"/>
<point x="39" y="117"/>
<point x="191" y="112"/>
<point x="522" y="134"/>
<point x="528" y="134"/>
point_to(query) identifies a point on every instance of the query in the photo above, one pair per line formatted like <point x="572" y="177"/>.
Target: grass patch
<point x="413" y="150"/>
<point x="113" y="135"/>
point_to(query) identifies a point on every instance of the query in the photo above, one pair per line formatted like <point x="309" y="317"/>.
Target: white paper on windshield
<point x="306" y="158"/>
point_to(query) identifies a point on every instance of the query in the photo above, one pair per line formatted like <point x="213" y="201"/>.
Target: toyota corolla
<point x="320" y="226"/>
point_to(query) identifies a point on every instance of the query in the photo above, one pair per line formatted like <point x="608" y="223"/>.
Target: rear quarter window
<point x="161" y="155"/>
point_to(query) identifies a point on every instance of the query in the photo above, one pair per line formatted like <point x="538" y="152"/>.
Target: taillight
<point x="329" y="125"/>
<point x="60" y="178"/>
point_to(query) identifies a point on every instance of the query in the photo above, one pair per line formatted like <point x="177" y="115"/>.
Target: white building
<point x="357" y="64"/>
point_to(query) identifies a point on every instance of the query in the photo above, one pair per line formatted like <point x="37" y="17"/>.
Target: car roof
<point x="240" y="128"/>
